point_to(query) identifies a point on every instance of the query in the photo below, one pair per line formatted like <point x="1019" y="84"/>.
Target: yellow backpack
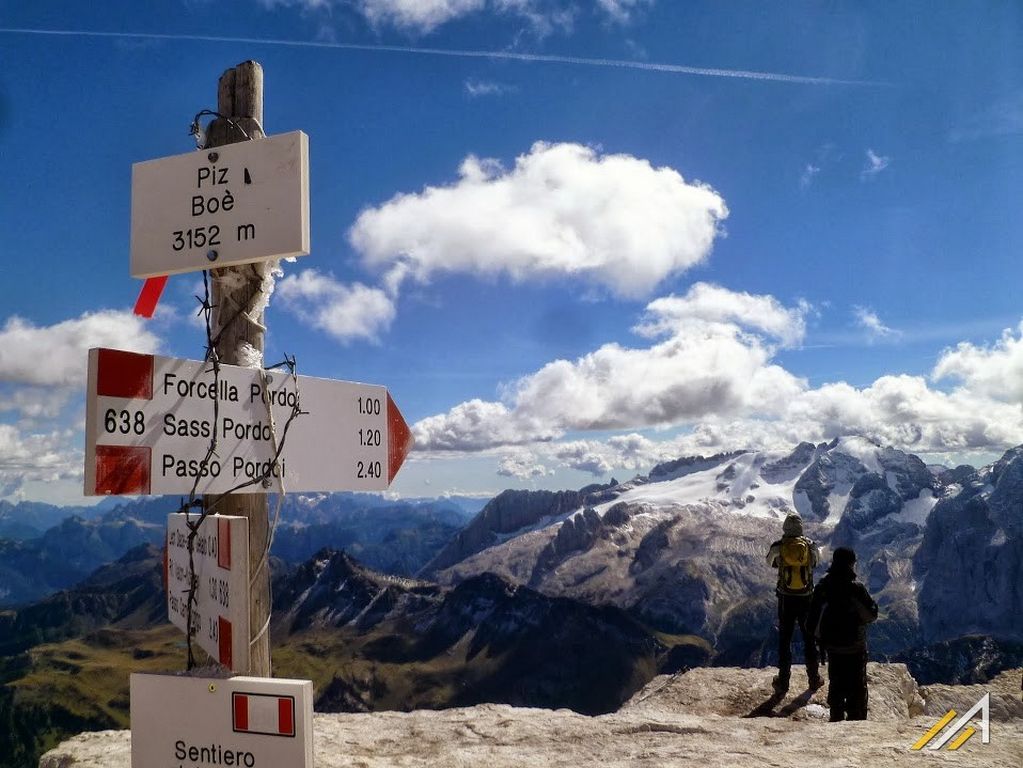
<point x="795" y="573"/>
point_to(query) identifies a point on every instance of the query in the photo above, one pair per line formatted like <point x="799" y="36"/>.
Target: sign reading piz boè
<point x="237" y="204"/>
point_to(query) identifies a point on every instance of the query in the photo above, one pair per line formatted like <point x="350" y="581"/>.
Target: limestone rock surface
<point x="701" y="717"/>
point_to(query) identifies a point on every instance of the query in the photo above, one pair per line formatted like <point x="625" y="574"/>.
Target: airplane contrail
<point x="542" y="58"/>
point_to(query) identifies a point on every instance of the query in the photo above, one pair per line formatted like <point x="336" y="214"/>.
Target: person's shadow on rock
<point x="766" y="707"/>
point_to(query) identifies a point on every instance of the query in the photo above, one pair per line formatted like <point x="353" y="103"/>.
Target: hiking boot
<point x="780" y="684"/>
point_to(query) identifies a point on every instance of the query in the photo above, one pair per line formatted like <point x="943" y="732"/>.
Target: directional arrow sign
<point x="220" y="613"/>
<point x="150" y="419"/>
<point x="236" y="204"/>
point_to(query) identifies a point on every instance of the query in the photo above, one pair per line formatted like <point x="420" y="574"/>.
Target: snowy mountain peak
<point x="821" y="482"/>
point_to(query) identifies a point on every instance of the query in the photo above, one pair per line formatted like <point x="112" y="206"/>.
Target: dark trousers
<point x="792" y="610"/>
<point x="847" y="685"/>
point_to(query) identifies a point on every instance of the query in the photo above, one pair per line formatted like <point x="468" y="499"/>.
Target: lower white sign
<point x="192" y="722"/>
<point x="220" y="614"/>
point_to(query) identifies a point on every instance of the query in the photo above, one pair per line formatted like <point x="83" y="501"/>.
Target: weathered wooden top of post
<point x="240" y="98"/>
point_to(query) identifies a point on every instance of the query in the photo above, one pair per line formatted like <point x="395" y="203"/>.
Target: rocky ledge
<point x="713" y="717"/>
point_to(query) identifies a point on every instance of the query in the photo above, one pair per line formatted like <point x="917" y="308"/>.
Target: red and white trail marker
<point x="220" y="614"/>
<point x="269" y="714"/>
<point x="250" y="722"/>
<point x="149" y="422"/>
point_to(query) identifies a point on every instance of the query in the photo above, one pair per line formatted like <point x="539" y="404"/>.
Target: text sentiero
<point x="237" y="204"/>
<point x="200" y="722"/>
<point x="339" y="440"/>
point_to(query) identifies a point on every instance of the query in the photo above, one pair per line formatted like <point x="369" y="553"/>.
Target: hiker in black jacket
<point x="795" y="557"/>
<point x="840" y="610"/>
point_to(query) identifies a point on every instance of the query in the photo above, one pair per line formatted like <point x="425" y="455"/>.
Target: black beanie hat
<point x="843" y="557"/>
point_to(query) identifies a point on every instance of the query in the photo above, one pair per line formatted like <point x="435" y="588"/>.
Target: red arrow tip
<point x="399" y="439"/>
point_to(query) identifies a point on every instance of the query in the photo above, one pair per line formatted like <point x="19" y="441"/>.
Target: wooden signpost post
<point x="162" y="425"/>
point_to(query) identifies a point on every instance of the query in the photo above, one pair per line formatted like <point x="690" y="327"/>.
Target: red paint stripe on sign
<point x="224" y="544"/>
<point x="399" y="439"/>
<point x="286" y="717"/>
<point x="224" y="644"/>
<point x="122" y="469"/>
<point x="149" y="296"/>
<point x="264" y="713"/>
<point x="241" y="712"/>
<point x="124" y="374"/>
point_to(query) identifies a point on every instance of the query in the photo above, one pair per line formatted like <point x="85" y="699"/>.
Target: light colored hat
<point x="793" y="525"/>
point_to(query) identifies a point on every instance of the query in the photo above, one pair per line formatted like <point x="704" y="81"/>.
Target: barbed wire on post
<point x="199" y="133"/>
<point x="272" y="468"/>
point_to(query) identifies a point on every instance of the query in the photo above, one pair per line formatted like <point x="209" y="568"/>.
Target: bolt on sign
<point x="150" y="421"/>
<point x="235" y="204"/>
<point x="220" y="613"/>
<point x="249" y="722"/>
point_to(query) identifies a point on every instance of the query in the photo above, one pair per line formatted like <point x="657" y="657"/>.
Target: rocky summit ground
<point x="712" y="717"/>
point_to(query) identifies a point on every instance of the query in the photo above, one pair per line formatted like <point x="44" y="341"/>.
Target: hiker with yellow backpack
<point x="795" y="556"/>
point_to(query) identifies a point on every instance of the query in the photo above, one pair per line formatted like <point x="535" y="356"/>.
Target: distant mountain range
<point x="368" y="640"/>
<point x="394" y="536"/>
<point x="30" y="519"/>
<point x="556" y="599"/>
<point x="683" y="548"/>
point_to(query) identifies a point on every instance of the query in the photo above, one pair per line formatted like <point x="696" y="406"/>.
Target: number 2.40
<point x="366" y="469"/>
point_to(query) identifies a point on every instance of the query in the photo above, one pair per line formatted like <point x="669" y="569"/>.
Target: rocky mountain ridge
<point x="394" y="536"/>
<point x="711" y="717"/>
<point x="683" y="548"/>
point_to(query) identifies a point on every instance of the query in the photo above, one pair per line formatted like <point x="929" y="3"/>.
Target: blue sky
<point x="562" y="270"/>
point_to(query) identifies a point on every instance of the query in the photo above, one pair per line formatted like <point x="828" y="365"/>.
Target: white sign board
<point x="150" y="419"/>
<point x="234" y="204"/>
<point x="220" y="614"/>
<point x="191" y="722"/>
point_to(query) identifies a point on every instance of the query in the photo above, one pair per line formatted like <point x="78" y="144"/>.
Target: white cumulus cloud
<point x="416" y="15"/>
<point x="563" y="210"/>
<point x="35" y="402"/>
<point x="56" y="355"/>
<point x="46" y="457"/>
<point x="585" y="456"/>
<point x="713" y="304"/>
<point x="345" y="311"/>
<point x="994" y="371"/>
<point x="710" y="363"/>
<point x="424" y="16"/>
<point x="475" y="425"/>
<point x="522" y="465"/>
<point x="710" y="370"/>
